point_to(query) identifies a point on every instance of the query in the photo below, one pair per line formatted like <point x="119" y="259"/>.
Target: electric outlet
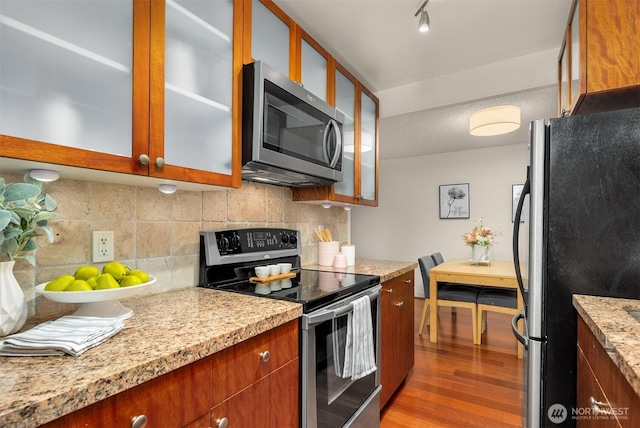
<point x="102" y="246"/>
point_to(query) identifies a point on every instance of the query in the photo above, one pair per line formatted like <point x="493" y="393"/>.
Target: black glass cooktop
<point x="314" y="289"/>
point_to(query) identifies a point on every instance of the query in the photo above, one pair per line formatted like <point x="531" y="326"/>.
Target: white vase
<point x="481" y="254"/>
<point x="13" y="308"/>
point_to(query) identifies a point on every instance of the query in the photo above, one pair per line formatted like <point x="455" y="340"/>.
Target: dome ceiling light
<point x="494" y="121"/>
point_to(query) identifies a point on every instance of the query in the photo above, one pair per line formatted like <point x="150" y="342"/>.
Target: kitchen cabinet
<point x="599" y="62"/>
<point x="359" y="185"/>
<point x="250" y="377"/>
<point x="397" y="335"/>
<point x="277" y="39"/>
<point x="604" y="397"/>
<point x="136" y="87"/>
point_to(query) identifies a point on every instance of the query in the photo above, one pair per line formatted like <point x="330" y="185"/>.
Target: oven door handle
<point x="330" y="312"/>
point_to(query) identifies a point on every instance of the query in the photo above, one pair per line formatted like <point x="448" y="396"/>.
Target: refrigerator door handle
<point x="515" y="242"/>
<point x="514" y="326"/>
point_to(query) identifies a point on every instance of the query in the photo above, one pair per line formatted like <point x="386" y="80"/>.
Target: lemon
<point x="60" y="283"/>
<point x="106" y="281"/>
<point x="78" y="285"/>
<point x="93" y="282"/>
<point x="130" y="280"/>
<point x="116" y="269"/>
<point x="86" y="272"/>
<point x="144" y="277"/>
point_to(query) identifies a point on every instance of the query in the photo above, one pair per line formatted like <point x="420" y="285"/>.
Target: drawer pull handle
<point x="139" y="421"/>
<point x="400" y="304"/>
<point x="598" y="409"/>
<point x="390" y="290"/>
<point x="265" y="356"/>
<point x="222" y="422"/>
<point x="408" y="281"/>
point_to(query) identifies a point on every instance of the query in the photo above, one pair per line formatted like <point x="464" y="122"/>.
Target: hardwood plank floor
<point x="455" y="383"/>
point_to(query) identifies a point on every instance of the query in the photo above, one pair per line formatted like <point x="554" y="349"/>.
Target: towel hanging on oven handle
<point x="338" y="310"/>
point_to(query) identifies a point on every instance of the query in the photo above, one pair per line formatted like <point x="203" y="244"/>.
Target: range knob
<point x="224" y="243"/>
<point x="235" y="241"/>
<point x="285" y="239"/>
<point x="293" y="239"/>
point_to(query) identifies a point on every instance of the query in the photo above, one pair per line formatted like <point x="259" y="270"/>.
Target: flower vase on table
<point x="481" y="254"/>
<point x="480" y="239"/>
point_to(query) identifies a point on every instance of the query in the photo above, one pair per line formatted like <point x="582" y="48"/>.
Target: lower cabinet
<point x="397" y="331"/>
<point x="604" y="397"/>
<point x="243" y="383"/>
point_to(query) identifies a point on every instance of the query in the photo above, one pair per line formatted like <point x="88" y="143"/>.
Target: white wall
<point x="406" y="224"/>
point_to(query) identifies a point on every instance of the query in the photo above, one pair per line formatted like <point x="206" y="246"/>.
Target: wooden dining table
<point x="498" y="273"/>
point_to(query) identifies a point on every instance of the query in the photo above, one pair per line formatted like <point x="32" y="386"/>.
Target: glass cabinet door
<point x="314" y="71"/>
<point x="269" y="38"/>
<point x="368" y="147"/>
<point x="575" y="55"/>
<point x="199" y="84"/>
<point x="65" y="69"/>
<point x="345" y="102"/>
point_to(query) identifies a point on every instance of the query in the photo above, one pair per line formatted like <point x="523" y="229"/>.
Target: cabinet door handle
<point x="400" y="304"/>
<point x="408" y="281"/>
<point x="139" y="421"/>
<point x="265" y="356"/>
<point x="160" y="162"/>
<point x="222" y="422"/>
<point x="390" y="290"/>
<point x="143" y="159"/>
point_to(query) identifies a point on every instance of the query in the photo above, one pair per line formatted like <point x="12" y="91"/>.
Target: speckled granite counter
<point x="168" y="330"/>
<point x="384" y="268"/>
<point x="616" y="330"/>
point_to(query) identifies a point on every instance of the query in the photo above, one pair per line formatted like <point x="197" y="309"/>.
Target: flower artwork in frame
<point x="516" y="191"/>
<point x="454" y="201"/>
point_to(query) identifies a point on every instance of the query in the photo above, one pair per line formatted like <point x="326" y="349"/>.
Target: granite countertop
<point x="168" y="330"/>
<point x="616" y="330"/>
<point x="386" y="269"/>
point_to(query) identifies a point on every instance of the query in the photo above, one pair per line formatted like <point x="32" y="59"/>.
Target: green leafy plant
<point x="25" y="210"/>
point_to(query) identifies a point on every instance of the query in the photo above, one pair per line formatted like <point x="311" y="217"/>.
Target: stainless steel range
<point x="228" y="259"/>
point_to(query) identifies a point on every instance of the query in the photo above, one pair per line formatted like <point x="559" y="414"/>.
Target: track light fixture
<point x="424" y="24"/>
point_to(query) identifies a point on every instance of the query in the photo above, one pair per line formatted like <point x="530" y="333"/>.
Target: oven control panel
<point x="244" y="241"/>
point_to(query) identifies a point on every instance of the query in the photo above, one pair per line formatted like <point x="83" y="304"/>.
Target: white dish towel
<point x="67" y="335"/>
<point x="359" y="356"/>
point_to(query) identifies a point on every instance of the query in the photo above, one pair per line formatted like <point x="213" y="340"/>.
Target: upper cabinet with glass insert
<point x="139" y="87"/>
<point x="277" y="40"/>
<point x="599" y="63"/>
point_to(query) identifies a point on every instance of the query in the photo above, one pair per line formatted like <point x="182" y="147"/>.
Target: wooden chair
<point x="502" y="300"/>
<point x="450" y="295"/>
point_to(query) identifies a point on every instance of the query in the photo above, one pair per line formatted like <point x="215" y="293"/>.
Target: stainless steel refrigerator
<point x="583" y="184"/>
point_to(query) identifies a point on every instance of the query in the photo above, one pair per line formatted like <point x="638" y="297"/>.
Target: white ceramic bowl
<point x="285" y="283"/>
<point x="275" y="285"/>
<point x="262" y="271"/>
<point x="274" y="269"/>
<point x="285" y="267"/>
<point x="97" y="303"/>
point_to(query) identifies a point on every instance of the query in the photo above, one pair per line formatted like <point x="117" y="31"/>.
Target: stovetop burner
<point x="228" y="259"/>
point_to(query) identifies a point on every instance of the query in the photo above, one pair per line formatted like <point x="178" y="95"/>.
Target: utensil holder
<point x="327" y="252"/>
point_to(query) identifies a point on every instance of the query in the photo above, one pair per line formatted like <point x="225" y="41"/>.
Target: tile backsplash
<point x="159" y="233"/>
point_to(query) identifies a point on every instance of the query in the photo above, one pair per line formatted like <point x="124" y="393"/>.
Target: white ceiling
<point x="378" y="41"/>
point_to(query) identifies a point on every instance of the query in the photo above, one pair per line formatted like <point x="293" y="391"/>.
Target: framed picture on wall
<point x="516" y="191"/>
<point x="454" y="201"/>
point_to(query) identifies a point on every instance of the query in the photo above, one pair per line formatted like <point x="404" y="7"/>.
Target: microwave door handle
<point x="332" y="125"/>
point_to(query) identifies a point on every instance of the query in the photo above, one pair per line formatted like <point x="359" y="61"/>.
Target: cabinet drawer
<point x="237" y="367"/>
<point x="620" y="394"/>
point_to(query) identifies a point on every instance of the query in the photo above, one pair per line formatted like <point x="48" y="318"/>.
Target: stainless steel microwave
<point x="290" y="137"/>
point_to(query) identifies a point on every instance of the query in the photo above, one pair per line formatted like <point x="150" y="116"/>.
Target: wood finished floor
<point x="457" y="384"/>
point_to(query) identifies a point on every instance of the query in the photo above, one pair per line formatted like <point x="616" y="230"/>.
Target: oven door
<point x="328" y="400"/>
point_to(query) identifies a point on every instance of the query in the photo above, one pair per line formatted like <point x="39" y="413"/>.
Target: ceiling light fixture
<point x="167" y="188"/>
<point x="424" y="24"/>
<point x="44" y="175"/>
<point x="494" y="121"/>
